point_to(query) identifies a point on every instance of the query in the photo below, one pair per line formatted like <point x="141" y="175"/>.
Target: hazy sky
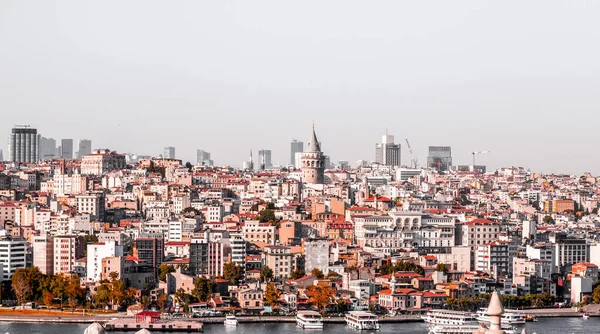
<point x="520" y="78"/>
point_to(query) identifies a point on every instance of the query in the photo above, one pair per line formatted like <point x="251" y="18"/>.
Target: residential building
<point x="264" y="159"/>
<point x="12" y="254"/>
<point x="440" y="157"/>
<point x="150" y="248"/>
<point x="280" y="260"/>
<point x="169" y="152"/>
<point x="67" y="250"/>
<point x="85" y="148"/>
<point x="387" y="153"/>
<point x="479" y="232"/>
<point x="101" y="162"/>
<point x="316" y="253"/>
<point x="295" y="148"/>
<point x="43" y="254"/>
<point x="66" y="149"/>
<point x="23" y="144"/>
<point x="495" y="258"/>
<point x="96" y="253"/>
<point x="203" y="158"/>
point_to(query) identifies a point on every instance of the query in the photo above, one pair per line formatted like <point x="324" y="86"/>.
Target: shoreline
<point x="102" y="319"/>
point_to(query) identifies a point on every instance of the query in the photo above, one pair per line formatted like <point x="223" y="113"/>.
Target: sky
<point x="518" y="78"/>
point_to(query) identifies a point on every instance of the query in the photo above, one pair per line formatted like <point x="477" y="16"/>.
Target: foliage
<point x="21" y="286"/>
<point x="114" y="292"/>
<point x="548" y="220"/>
<point x="182" y="298"/>
<point x="387" y="268"/>
<point x="272" y="295"/>
<point x="332" y="275"/>
<point x="596" y="295"/>
<point x="232" y="273"/>
<point x="442" y="267"/>
<point x="266" y="274"/>
<point x="317" y="273"/>
<point x="320" y="296"/>
<point x="266" y="215"/>
<point x="350" y="269"/>
<point x="451" y="303"/>
<point x="48" y="298"/>
<point x="203" y="289"/>
<point x="298" y="273"/>
<point x="270" y="206"/>
<point x="90" y="239"/>
<point x="163" y="270"/>
<point x="190" y="212"/>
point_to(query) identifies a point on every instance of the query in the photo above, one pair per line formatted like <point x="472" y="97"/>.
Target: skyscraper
<point x="1" y="156"/>
<point x="313" y="162"/>
<point x="264" y="159"/>
<point x="66" y="149"/>
<point x="169" y="152"/>
<point x="440" y="157"/>
<point x="387" y="153"/>
<point x="47" y="148"/>
<point x="23" y="144"/>
<point x="295" y="147"/>
<point x="203" y="158"/>
<point x="85" y="148"/>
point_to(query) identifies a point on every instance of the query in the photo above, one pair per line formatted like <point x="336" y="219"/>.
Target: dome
<point x="95" y="328"/>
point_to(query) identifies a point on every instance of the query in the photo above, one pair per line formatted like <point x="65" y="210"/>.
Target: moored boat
<point x="362" y="320"/>
<point x="509" y="318"/>
<point x="450" y="318"/>
<point x="309" y="320"/>
<point x="230" y="320"/>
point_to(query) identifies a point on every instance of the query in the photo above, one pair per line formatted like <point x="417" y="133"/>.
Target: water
<point x="544" y="326"/>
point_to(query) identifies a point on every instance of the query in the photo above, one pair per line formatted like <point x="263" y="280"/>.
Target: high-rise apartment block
<point x="387" y="153"/>
<point x="66" y="149"/>
<point x="203" y="158"/>
<point x="440" y="157"/>
<point x="295" y="147"/>
<point x="150" y="248"/>
<point x="169" y="152"/>
<point x="264" y="159"/>
<point x="23" y="144"/>
<point x="85" y="148"/>
<point x="47" y="148"/>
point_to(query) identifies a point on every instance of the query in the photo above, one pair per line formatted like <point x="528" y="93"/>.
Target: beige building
<point x="67" y="249"/>
<point x="479" y="232"/>
<point x="280" y="260"/>
<point x="43" y="254"/>
<point x="256" y="232"/>
<point x="101" y="162"/>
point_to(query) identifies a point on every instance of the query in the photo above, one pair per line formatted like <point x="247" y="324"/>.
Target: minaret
<point x="495" y="311"/>
<point x="313" y="161"/>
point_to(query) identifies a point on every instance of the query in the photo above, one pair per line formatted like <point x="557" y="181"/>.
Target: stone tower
<point x="313" y="161"/>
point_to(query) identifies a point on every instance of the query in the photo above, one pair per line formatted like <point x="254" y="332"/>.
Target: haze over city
<point x="230" y="77"/>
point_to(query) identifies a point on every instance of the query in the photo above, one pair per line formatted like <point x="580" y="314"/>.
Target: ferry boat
<point x="309" y="320"/>
<point x="362" y="320"/>
<point x="586" y="316"/>
<point x="468" y="329"/>
<point x="450" y="318"/>
<point x="230" y="320"/>
<point x="508" y="318"/>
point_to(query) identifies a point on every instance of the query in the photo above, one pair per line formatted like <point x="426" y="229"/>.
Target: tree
<point x="232" y="273"/>
<point x="298" y="273"/>
<point x="464" y="303"/>
<point x="320" y="296"/>
<point x="548" y="220"/>
<point x="161" y="302"/>
<point x="332" y="275"/>
<point x="182" y="298"/>
<point x="74" y="292"/>
<point x="203" y="289"/>
<point x="48" y="298"/>
<point x="272" y="295"/>
<point x="190" y="212"/>
<point x="164" y="270"/>
<point x="317" y="273"/>
<point x="442" y="267"/>
<point x="596" y="295"/>
<point x="189" y="166"/>
<point x="20" y="286"/>
<point x="451" y="303"/>
<point x="266" y="215"/>
<point x="266" y="274"/>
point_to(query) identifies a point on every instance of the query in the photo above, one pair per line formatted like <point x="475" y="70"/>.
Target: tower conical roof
<point x="313" y="144"/>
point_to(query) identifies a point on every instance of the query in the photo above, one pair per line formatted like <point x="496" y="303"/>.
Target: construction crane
<point x="414" y="163"/>
<point x="478" y="153"/>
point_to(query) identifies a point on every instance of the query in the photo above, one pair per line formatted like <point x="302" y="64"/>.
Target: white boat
<point x="450" y="318"/>
<point x="230" y="320"/>
<point x="362" y="320"/>
<point x="309" y="320"/>
<point x="508" y="318"/>
<point x="468" y="329"/>
<point x="586" y="316"/>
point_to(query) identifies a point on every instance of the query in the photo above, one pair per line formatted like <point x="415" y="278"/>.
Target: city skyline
<point x="455" y="75"/>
